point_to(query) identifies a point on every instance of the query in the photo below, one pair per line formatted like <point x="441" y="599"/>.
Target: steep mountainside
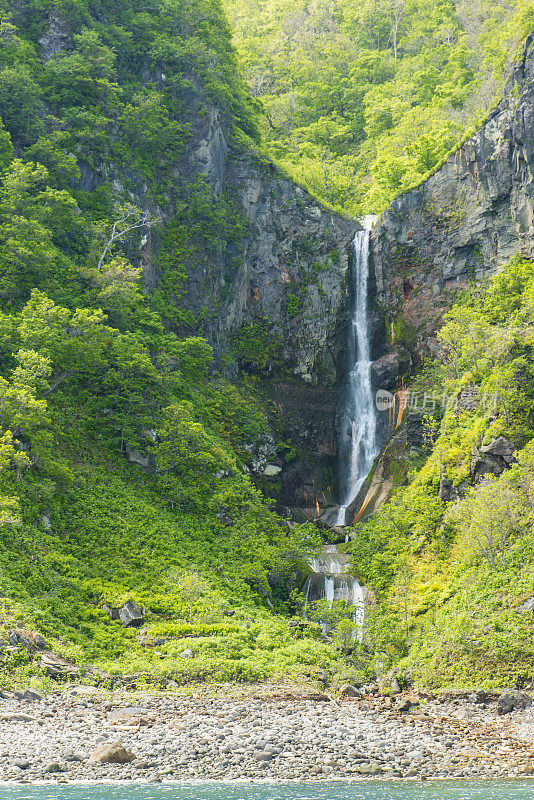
<point x="364" y="99"/>
<point x="469" y="218"/>
<point x="450" y="555"/>
<point x="155" y="272"/>
<point x="173" y="327"/>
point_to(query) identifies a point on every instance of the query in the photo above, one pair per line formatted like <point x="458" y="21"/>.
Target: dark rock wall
<point x="295" y="248"/>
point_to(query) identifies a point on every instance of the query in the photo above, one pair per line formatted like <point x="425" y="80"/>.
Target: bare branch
<point x="131" y="219"/>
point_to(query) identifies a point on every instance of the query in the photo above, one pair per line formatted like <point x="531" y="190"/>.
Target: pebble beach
<point x="55" y="738"/>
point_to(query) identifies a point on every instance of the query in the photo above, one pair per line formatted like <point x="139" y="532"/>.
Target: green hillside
<point x="364" y="99"/>
<point x="451" y="558"/>
<point x="93" y="368"/>
<point x="128" y="445"/>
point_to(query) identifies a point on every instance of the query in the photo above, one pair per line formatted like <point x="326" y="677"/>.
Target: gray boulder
<point x="348" y="690"/>
<point x="54" y="767"/>
<point x="528" y="605"/>
<point x="130" y="614"/>
<point x="386" y="370"/>
<point x="56" y="666"/>
<point x="513" y="700"/>
<point x="28" y="694"/>
<point x="493" y="458"/>
<point x="500" y="447"/>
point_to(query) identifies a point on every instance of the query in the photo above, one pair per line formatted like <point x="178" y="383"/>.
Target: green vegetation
<point x="364" y="98"/>
<point x="450" y="557"/>
<point x="126" y="451"/>
<point x="95" y="373"/>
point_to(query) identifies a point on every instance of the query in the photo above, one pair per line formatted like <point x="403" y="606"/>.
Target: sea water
<point x="489" y="790"/>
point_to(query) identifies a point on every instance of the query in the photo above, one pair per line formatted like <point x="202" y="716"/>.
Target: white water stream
<point x="358" y="441"/>
<point x="330" y="581"/>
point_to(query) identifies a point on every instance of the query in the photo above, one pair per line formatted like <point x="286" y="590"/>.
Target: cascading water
<point x="330" y="581"/>
<point x="358" y="441"/>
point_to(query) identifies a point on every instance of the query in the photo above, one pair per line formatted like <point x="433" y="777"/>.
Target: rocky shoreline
<point x="281" y="738"/>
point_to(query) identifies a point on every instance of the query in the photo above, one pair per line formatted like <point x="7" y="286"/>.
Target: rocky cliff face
<point x="286" y="269"/>
<point x="266" y="270"/>
<point x="468" y="219"/>
<point x="290" y="271"/>
<point x="287" y="281"/>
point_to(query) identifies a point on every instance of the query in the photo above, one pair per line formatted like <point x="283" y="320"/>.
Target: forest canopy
<point x="373" y="93"/>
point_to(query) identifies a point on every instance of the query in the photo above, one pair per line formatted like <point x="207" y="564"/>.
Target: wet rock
<point x="54" y="767"/>
<point x="415" y="431"/>
<point x="387" y="369"/>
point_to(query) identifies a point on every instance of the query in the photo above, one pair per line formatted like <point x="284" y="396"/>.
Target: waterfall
<point x="358" y="441"/>
<point x="330" y="581"/>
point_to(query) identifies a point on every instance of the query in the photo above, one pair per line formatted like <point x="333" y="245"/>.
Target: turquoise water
<point x="521" y="790"/>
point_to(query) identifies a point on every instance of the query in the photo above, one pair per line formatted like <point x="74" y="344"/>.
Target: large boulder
<point x="527" y="606"/>
<point x="29" y="640"/>
<point x="129" y="614"/>
<point x="493" y="458"/>
<point x="112" y="753"/>
<point x="513" y="700"/>
<point x="56" y="666"/>
<point x="348" y="690"/>
<point x="146" y="462"/>
<point x="500" y="447"/>
<point x="387" y="369"/>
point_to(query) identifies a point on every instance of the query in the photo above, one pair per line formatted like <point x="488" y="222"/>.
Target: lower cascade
<point x="330" y="581"/>
<point x="358" y="440"/>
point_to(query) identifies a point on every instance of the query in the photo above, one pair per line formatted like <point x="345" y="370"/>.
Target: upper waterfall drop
<point x="358" y="439"/>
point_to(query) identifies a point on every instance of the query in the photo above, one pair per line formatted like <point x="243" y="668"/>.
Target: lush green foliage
<point x="94" y="372"/>
<point x="450" y="572"/>
<point x="363" y="98"/>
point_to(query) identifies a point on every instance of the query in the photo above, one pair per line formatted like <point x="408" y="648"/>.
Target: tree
<point x="345" y="634"/>
<point x="85" y="77"/>
<point x="396" y="13"/>
<point x="487" y="518"/>
<point x="465" y="336"/>
<point x="36" y="221"/>
<point x="191" y="585"/>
